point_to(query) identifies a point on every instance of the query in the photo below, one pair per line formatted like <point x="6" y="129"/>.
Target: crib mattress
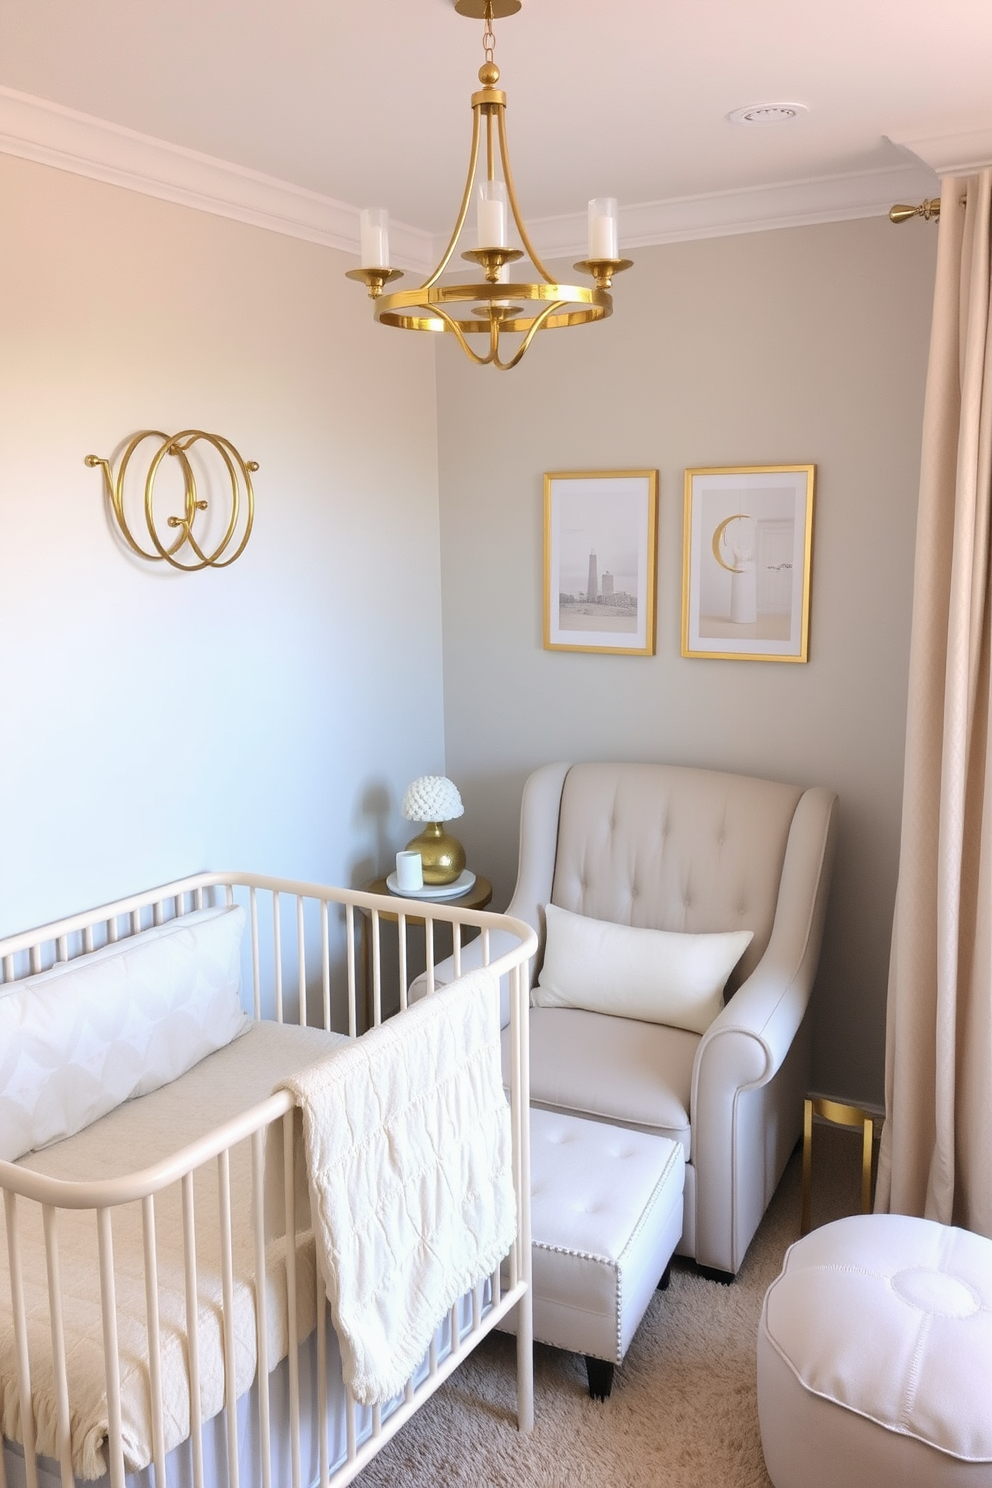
<point x="133" y="1137"/>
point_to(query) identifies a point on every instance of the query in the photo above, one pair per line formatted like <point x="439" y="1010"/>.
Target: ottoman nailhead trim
<point x="585" y="1255"/>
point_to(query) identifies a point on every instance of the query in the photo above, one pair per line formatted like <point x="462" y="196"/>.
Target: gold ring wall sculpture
<point x="179" y="545"/>
<point x="490" y="310"/>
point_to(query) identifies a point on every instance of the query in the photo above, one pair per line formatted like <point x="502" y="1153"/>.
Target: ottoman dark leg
<point x="600" y="1378"/>
<point x="666" y="1277"/>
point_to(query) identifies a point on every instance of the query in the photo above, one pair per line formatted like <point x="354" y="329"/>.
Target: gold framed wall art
<point x="600" y="561"/>
<point x="746" y="559"/>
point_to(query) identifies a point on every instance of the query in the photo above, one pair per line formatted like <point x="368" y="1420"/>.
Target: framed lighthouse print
<point x="747" y="547"/>
<point x="600" y="558"/>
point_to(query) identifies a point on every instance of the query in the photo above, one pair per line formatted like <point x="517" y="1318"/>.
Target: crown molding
<point x="50" y="134"/>
<point x="952" y="154"/>
<point x="721" y="214"/>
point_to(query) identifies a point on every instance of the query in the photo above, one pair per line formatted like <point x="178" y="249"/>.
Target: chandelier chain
<point x="489" y="35"/>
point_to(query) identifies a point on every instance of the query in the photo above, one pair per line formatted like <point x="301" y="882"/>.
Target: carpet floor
<point x="683" y="1412"/>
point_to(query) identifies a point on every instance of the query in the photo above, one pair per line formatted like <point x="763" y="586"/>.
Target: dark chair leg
<point x="600" y="1378"/>
<point x="666" y="1277"/>
<point x="713" y="1273"/>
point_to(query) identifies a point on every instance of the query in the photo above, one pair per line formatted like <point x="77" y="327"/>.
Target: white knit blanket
<point x="407" y="1135"/>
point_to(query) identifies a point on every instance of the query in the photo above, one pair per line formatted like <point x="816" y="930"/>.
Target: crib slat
<point x="62" y="1425"/>
<point x="261" y="1304"/>
<point x="301" y="956"/>
<point x="431" y="961"/>
<point x="192" y="1329"/>
<point x="289" y="1178"/>
<point x="154" y="1336"/>
<point x="277" y="951"/>
<point x="376" y="971"/>
<point x="351" y="1417"/>
<point x="227" y="1290"/>
<point x="456" y="948"/>
<point x="21" y="1338"/>
<point x="349" y="920"/>
<point x="255" y="969"/>
<point x="323" y="1415"/>
<point x="108" y="1308"/>
<point x="404" y="978"/>
<point x="325" y="964"/>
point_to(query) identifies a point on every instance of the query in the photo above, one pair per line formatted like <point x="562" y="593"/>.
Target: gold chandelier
<point x="488" y="310"/>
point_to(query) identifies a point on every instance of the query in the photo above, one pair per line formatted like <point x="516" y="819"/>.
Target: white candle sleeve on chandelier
<point x="375" y="238"/>
<point x="603" y="234"/>
<point x="491" y="215"/>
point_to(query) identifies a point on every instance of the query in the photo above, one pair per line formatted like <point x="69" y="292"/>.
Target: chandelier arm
<point x="466" y="202"/>
<point x="528" y="338"/>
<point x="515" y="205"/>
<point x="453" y="325"/>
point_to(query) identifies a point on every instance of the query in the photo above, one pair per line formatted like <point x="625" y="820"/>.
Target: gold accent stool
<point x="841" y="1115"/>
<point x="177" y="445"/>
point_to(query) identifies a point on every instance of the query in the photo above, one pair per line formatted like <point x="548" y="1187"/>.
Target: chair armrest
<point x="540" y="809"/>
<point x="748" y="1043"/>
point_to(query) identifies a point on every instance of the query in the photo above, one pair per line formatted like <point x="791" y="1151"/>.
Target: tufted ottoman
<point x="875" y="1358"/>
<point x="606" y="1216"/>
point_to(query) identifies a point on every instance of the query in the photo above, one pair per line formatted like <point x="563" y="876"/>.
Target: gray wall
<point x="799" y="345"/>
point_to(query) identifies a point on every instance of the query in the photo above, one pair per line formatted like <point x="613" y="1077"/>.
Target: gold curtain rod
<point x="926" y="210"/>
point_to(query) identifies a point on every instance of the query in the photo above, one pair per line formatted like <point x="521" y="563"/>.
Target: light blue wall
<point x="266" y="717"/>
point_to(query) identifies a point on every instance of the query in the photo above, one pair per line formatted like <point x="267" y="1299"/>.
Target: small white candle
<point x="375" y="238"/>
<point x="409" y="871"/>
<point x="603" y="236"/>
<point x="491" y="215"/>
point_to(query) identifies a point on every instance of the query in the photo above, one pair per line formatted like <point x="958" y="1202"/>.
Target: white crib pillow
<point x="88" y="1034"/>
<point x="658" y="976"/>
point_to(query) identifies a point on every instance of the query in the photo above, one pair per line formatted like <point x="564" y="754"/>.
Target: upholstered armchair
<point x="670" y="848"/>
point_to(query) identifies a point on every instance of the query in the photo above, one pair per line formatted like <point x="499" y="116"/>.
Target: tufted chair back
<point x="668" y="847"/>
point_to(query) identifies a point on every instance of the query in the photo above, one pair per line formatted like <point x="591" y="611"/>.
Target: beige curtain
<point x="937" y="1141"/>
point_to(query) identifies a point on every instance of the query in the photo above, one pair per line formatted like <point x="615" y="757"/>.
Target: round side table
<point x="477" y="897"/>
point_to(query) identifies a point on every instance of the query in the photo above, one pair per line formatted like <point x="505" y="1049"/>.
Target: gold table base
<point x="841" y="1115"/>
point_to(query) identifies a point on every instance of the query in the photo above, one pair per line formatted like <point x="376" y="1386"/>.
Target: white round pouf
<point x="875" y="1358"/>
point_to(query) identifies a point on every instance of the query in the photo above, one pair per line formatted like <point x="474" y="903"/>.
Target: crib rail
<point x="304" y="948"/>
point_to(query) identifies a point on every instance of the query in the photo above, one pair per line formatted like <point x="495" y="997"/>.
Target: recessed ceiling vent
<point x="768" y="113"/>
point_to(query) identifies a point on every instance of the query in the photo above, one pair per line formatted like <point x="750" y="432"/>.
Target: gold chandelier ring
<point x="410" y="309"/>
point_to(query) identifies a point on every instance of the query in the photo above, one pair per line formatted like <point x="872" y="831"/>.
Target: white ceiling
<point x="367" y="101"/>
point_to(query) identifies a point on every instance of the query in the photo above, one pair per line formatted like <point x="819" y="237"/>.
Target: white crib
<point x="297" y="1424"/>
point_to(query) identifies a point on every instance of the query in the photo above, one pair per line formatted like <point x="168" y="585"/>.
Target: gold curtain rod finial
<point x="926" y="209"/>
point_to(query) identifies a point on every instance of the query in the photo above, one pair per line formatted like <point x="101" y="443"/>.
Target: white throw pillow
<point x="88" y="1034"/>
<point x="658" y="976"/>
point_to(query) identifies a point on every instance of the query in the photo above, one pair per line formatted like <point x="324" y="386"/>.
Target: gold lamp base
<point x="443" y="855"/>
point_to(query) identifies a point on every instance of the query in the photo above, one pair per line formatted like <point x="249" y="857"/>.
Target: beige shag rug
<point x="683" y="1412"/>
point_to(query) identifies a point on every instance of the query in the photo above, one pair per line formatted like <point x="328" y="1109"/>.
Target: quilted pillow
<point x="88" y="1034"/>
<point x="658" y="976"/>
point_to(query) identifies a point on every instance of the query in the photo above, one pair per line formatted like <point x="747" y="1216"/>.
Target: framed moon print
<point x="746" y="557"/>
